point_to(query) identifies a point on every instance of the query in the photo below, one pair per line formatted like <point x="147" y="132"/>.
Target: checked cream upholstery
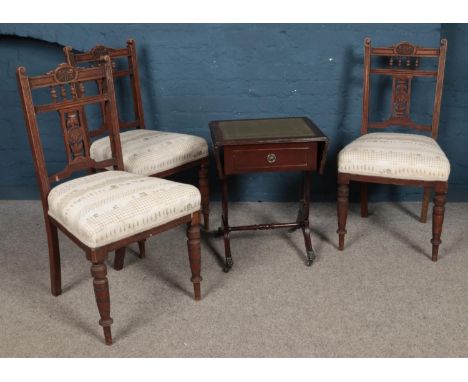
<point x="148" y="152"/>
<point x="108" y="206"/>
<point x="395" y="155"/>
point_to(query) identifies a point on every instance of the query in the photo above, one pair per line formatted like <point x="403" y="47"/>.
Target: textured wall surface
<point x="454" y="117"/>
<point x="192" y="74"/>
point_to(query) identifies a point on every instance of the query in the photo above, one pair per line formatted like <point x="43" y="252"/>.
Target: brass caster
<point x="310" y="258"/>
<point x="228" y="265"/>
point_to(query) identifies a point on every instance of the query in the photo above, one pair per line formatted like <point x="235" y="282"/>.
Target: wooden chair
<point x="145" y="152"/>
<point x="392" y="158"/>
<point x="106" y="210"/>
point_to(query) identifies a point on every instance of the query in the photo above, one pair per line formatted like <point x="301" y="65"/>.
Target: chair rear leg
<point x="342" y="209"/>
<point x="54" y="258"/>
<point x="142" y="249"/>
<point x="437" y="220"/>
<point x="119" y="259"/>
<point x="205" y="194"/>
<point x="425" y="204"/>
<point x="101" y="291"/>
<point x="194" y="252"/>
<point x="364" y="202"/>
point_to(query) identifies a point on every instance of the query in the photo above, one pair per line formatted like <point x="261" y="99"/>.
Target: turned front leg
<point x="101" y="291"/>
<point x="437" y="221"/>
<point x="194" y="251"/>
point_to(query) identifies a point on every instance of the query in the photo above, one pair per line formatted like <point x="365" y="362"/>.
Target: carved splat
<point x="75" y="135"/>
<point x="74" y="132"/>
<point x="401" y="97"/>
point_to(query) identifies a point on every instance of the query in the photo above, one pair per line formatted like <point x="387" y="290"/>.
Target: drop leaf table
<point x="268" y="145"/>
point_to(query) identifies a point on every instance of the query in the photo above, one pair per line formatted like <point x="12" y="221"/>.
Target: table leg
<point x="305" y="218"/>
<point x="300" y="212"/>
<point x="225" y="228"/>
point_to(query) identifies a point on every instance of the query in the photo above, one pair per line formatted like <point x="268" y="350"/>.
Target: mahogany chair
<point x="145" y="152"/>
<point x="398" y="158"/>
<point x="104" y="210"/>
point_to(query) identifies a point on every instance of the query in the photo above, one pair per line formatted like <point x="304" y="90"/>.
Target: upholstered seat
<point x="109" y="206"/>
<point x="394" y="155"/>
<point x="148" y="152"/>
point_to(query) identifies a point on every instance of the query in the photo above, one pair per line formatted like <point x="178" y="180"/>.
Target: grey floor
<point x="381" y="297"/>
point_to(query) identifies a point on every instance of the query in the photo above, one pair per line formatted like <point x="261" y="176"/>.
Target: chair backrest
<point x="63" y="85"/>
<point x="402" y="65"/>
<point x="91" y="58"/>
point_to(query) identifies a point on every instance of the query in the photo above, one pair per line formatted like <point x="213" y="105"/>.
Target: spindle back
<point x="91" y="58"/>
<point x="402" y="65"/>
<point x="67" y="87"/>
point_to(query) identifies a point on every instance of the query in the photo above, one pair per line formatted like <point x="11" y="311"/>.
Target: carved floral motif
<point x="65" y="73"/>
<point x="74" y="135"/>
<point x="98" y="51"/>
<point x="401" y="97"/>
<point x="405" y="49"/>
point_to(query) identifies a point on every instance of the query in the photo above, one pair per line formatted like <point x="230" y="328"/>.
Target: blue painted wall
<point x="194" y="73"/>
<point x="454" y="116"/>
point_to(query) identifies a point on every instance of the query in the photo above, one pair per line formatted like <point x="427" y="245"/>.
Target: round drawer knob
<point x="271" y="158"/>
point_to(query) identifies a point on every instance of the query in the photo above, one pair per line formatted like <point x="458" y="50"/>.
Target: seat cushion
<point x="395" y="155"/>
<point x="148" y="152"/>
<point x="108" y="206"/>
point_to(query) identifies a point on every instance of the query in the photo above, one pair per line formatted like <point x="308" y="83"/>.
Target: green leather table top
<point x="266" y="129"/>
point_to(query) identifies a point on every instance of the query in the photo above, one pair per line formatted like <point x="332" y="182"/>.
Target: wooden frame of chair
<point x="77" y="142"/>
<point x="92" y="57"/>
<point x="402" y="73"/>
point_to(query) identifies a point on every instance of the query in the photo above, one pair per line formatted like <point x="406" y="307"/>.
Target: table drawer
<point x="270" y="157"/>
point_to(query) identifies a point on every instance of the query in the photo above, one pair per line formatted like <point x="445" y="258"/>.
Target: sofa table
<point x="268" y="145"/>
